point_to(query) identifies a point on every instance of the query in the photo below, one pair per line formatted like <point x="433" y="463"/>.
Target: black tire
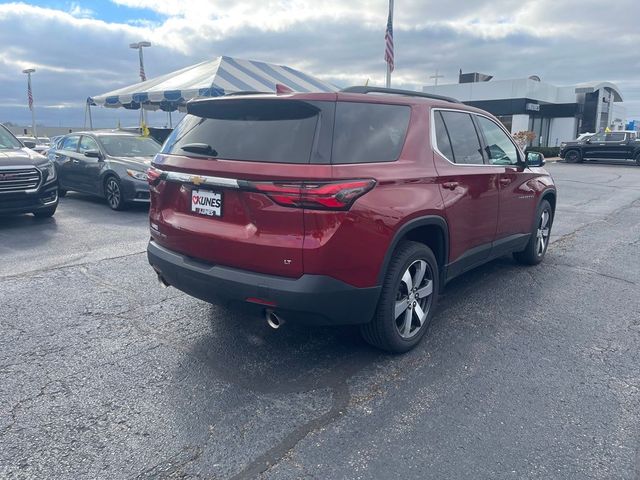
<point x="534" y="252"/>
<point x="113" y="193"/>
<point x="573" y="156"/>
<point x="46" y="213"/>
<point x="384" y="331"/>
<point x="62" y="192"/>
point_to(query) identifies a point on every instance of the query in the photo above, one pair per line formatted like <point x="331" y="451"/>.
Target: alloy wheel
<point x="572" y="156"/>
<point x="413" y="299"/>
<point x="113" y="193"/>
<point x="542" y="240"/>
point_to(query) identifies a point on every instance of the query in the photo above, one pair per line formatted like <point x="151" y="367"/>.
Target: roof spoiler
<point x="395" y="91"/>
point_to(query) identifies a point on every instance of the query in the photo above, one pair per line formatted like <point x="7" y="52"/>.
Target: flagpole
<point x="33" y="114"/>
<point x="34" y="130"/>
<point x="387" y="43"/>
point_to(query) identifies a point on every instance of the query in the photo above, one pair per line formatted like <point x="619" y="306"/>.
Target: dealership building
<point x="555" y="114"/>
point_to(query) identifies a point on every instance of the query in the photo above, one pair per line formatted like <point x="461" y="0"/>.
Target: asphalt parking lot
<point x="527" y="372"/>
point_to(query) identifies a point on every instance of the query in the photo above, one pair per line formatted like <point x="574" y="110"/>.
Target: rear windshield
<point x="291" y="131"/>
<point x="251" y="130"/>
<point x="129" y="146"/>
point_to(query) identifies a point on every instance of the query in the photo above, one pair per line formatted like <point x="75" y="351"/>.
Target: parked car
<point x="40" y="144"/>
<point x="108" y="164"/>
<point x="347" y="208"/>
<point x="621" y="145"/>
<point x="27" y="179"/>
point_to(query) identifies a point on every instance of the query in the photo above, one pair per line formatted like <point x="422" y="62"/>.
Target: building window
<point x="507" y="121"/>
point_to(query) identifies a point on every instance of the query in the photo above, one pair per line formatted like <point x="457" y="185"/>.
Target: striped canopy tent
<point x="212" y="78"/>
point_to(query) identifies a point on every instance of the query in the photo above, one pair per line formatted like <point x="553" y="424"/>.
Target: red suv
<point x="353" y="207"/>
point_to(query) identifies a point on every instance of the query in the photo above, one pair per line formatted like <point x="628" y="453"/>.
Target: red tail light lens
<point x="315" y="195"/>
<point x="153" y="175"/>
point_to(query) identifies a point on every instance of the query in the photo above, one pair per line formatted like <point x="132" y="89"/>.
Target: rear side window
<point x="255" y="130"/>
<point x="465" y="143"/>
<point x="70" y="143"/>
<point x="442" y="138"/>
<point x="614" y="137"/>
<point x="500" y="149"/>
<point x="369" y="132"/>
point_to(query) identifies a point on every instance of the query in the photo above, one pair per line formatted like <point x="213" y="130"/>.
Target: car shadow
<point x="39" y="230"/>
<point x="96" y="200"/>
<point x="605" y="161"/>
<point x="243" y="351"/>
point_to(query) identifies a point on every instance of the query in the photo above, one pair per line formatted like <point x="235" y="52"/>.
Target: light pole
<point x="29" y="71"/>
<point x="139" y="46"/>
<point x="143" y="77"/>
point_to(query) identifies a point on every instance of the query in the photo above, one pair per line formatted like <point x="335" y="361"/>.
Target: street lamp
<point x="139" y="46"/>
<point x="29" y="71"/>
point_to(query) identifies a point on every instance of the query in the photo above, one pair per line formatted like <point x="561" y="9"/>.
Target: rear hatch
<point x="225" y="182"/>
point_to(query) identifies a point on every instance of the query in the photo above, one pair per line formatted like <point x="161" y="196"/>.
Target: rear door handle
<point x="75" y="160"/>
<point x="450" y="185"/>
<point x="505" y="181"/>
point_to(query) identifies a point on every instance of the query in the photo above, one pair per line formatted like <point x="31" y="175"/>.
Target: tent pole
<point x="86" y="106"/>
<point x="90" y="119"/>
<point x="170" y="124"/>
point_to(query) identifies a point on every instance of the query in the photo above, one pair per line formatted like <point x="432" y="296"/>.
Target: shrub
<point x="524" y="138"/>
<point x="548" y="152"/>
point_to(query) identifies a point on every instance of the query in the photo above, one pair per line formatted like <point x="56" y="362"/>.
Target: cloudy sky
<point x="80" y="48"/>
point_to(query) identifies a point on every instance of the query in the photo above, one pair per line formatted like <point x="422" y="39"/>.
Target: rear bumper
<point x="17" y="203"/>
<point x="310" y="299"/>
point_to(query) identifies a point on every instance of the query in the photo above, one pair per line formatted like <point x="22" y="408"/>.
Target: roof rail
<point x="395" y="91"/>
<point x="247" y="92"/>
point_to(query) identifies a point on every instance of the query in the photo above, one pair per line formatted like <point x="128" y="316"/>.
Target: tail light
<point x="315" y="195"/>
<point x="153" y="175"/>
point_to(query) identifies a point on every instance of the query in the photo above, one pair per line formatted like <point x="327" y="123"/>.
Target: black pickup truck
<point x="28" y="181"/>
<point x="622" y="145"/>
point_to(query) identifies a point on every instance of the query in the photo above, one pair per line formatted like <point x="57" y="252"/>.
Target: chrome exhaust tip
<point x="273" y="320"/>
<point x="163" y="283"/>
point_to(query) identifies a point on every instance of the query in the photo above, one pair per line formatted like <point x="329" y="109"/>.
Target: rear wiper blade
<point x="201" y="148"/>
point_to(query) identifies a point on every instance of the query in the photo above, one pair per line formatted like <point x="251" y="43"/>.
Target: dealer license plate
<point x="206" y="202"/>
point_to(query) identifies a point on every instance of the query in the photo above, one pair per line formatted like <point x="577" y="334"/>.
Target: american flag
<point x="388" y="38"/>
<point x="29" y="94"/>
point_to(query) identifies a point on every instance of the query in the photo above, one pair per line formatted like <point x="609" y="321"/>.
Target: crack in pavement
<point x="32" y="273"/>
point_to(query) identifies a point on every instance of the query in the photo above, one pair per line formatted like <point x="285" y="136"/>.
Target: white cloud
<point x="80" y="12"/>
<point x="78" y="55"/>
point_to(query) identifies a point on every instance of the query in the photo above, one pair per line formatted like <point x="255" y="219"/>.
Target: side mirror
<point x="588" y="140"/>
<point x="29" y="143"/>
<point x="534" y="159"/>
<point x="93" y="154"/>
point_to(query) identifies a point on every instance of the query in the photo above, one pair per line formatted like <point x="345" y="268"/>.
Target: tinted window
<point x="464" y="139"/>
<point x="7" y="140"/>
<point x="442" y="138"/>
<point x="500" y="149"/>
<point x="129" y="146"/>
<point x="279" y="131"/>
<point x="369" y="132"/>
<point x="70" y="143"/>
<point x="614" y="137"/>
<point x="87" y="143"/>
<point x="598" y="137"/>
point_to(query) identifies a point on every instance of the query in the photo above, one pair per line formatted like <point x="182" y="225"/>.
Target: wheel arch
<point x="431" y="230"/>
<point x="550" y="196"/>
<point x="104" y="177"/>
